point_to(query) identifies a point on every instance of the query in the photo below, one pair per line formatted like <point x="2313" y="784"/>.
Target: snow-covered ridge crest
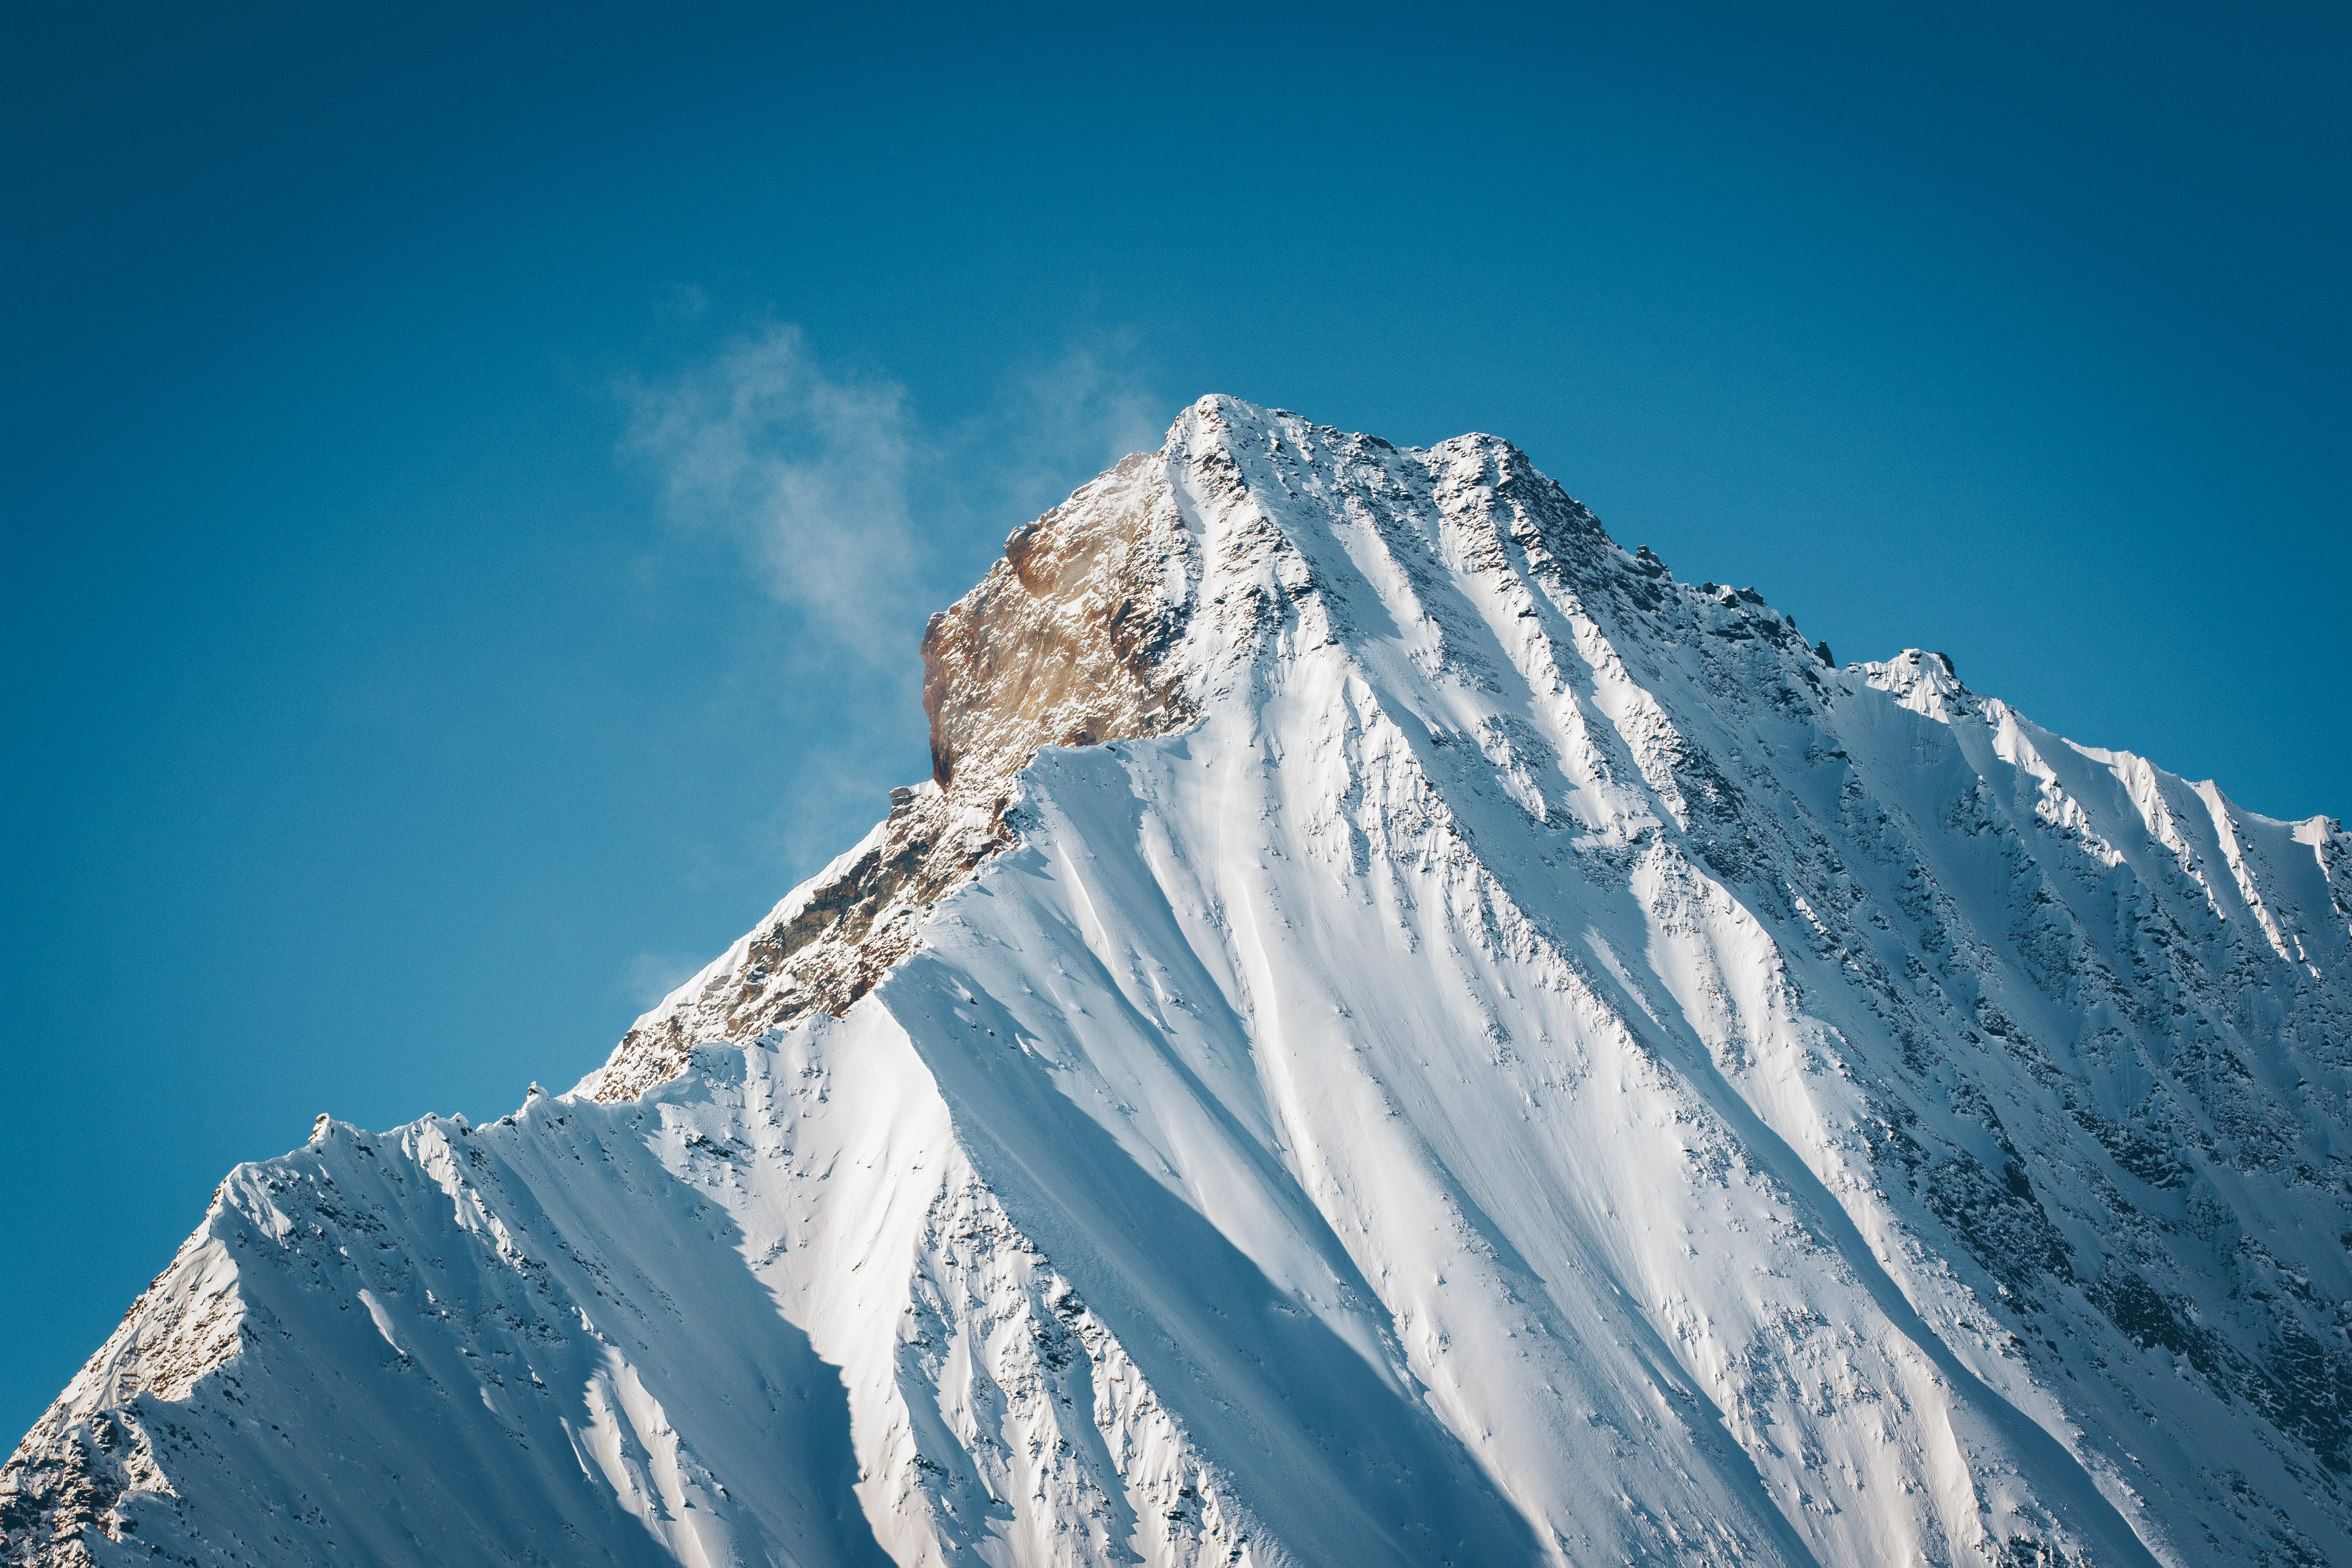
<point x="1397" y="1032"/>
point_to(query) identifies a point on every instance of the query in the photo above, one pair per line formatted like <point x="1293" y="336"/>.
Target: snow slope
<point x="1397" y="1034"/>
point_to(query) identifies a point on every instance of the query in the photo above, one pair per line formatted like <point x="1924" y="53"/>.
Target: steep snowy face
<point x="1397" y="1032"/>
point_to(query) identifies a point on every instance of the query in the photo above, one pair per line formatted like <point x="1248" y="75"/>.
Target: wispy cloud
<point x="807" y="470"/>
<point x="1060" y="423"/>
<point x="819" y="475"/>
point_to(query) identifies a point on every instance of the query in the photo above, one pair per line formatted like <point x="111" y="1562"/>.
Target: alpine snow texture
<point x="1396" y="1033"/>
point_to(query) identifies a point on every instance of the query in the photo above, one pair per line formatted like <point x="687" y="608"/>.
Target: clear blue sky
<point x="473" y="483"/>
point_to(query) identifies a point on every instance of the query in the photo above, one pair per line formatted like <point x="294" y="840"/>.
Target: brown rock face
<point x="1064" y="643"/>
<point x="1060" y="644"/>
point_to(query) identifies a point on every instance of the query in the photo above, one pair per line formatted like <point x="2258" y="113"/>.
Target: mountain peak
<point x="1396" y="1031"/>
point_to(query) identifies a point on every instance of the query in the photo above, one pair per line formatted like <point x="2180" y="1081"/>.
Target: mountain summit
<point x="1396" y="1033"/>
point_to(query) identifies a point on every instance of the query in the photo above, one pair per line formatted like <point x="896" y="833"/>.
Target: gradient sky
<point x="473" y="483"/>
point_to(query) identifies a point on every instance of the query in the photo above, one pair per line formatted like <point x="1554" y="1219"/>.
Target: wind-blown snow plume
<point x="1058" y="421"/>
<point x="809" y="471"/>
<point x="1396" y="1032"/>
<point x="819" y="475"/>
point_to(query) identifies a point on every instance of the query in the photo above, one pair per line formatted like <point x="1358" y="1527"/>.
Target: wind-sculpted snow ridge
<point x="1398" y="1033"/>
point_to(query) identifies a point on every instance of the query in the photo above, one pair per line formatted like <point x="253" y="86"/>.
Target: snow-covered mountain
<point x="1398" y="1033"/>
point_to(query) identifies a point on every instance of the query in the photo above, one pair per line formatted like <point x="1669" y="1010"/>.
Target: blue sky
<point x="473" y="482"/>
